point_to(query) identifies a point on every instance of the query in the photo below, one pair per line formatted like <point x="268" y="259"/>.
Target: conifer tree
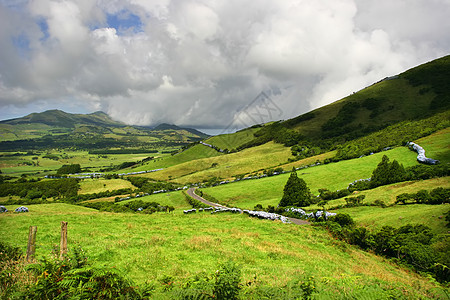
<point x="296" y="192"/>
<point x="386" y="173"/>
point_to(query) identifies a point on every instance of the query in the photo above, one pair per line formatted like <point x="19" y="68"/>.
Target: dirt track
<point x="191" y="192"/>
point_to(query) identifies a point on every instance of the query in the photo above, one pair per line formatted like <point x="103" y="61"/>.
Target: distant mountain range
<point x="56" y="128"/>
<point x="59" y="118"/>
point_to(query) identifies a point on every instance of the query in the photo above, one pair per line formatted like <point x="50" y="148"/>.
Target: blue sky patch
<point x="42" y="23"/>
<point x="124" y="21"/>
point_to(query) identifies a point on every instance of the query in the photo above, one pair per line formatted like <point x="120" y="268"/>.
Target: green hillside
<point x="411" y="99"/>
<point x="408" y="96"/>
<point x="60" y="118"/>
<point x="58" y="129"/>
<point x="201" y="163"/>
<point x="273" y="256"/>
<point x="233" y="140"/>
<point x="268" y="191"/>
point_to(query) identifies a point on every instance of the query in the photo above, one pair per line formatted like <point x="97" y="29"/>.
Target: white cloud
<point x="200" y="62"/>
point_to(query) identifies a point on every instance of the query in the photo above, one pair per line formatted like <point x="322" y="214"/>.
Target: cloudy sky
<point x="203" y="63"/>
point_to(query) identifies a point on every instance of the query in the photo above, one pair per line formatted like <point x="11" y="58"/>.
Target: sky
<point x="207" y="64"/>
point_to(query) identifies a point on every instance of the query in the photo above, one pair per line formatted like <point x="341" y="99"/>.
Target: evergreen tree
<point x="396" y="172"/>
<point x="386" y="173"/>
<point x="296" y="192"/>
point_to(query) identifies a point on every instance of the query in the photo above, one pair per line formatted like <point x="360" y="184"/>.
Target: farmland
<point x="147" y="247"/>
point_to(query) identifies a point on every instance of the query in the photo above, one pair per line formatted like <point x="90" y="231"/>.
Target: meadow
<point x="333" y="176"/>
<point x="98" y="185"/>
<point x="271" y="254"/>
<point x="234" y="140"/>
<point x="45" y="163"/>
<point x="246" y="161"/>
<point x="375" y="217"/>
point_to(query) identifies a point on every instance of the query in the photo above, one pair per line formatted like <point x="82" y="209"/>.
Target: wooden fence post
<point x="63" y="244"/>
<point x="31" y="248"/>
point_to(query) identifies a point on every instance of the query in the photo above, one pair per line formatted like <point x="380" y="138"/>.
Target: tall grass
<point x="272" y="254"/>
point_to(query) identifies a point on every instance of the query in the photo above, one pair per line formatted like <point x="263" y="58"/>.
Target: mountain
<point x="56" y="128"/>
<point x="60" y="118"/>
<point x="416" y="94"/>
<point x="165" y="126"/>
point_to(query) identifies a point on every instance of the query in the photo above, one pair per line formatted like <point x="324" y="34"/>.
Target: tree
<point x="386" y="173"/>
<point x="296" y="192"/>
<point x="379" y="175"/>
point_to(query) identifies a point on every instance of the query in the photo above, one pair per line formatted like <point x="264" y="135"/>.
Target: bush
<point x="69" y="169"/>
<point x="342" y="219"/>
<point x="73" y="277"/>
<point x="436" y="196"/>
<point x="226" y="281"/>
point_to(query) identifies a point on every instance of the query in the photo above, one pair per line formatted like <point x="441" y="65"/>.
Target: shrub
<point x="226" y="281"/>
<point x="342" y="219"/>
<point x="69" y="169"/>
<point x="73" y="277"/>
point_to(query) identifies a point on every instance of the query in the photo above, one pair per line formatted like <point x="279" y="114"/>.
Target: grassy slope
<point x="190" y="154"/>
<point x="334" y="176"/>
<point x="395" y="97"/>
<point x="148" y="246"/>
<point x="437" y="145"/>
<point x="399" y="215"/>
<point x="246" y="161"/>
<point x="89" y="186"/>
<point x="397" y="91"/>
<point x="175" y="199"/>
<point x="388" y="193"/>
<point x="232" y="140"/>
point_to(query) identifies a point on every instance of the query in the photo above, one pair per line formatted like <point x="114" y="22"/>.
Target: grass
<point x="175" y="199"/>
<point x="89" y="186"/>
<point x="192" y="153"/>
<point x="226" y="166"/>
<point x="270" y="253"/>
<point x="399" y="215"/>
<point x="388" y="193"/>
<point x="437" y="145"/>
<point x="233" y="140"/>
<point x="16" y="165"/>
<point x="334" y="176"/>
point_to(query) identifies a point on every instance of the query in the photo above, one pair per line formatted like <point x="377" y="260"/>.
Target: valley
<point x="129" y="219"/>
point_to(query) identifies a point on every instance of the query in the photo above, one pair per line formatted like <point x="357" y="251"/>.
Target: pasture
<point x="333" y="176"/>
<point x="150" y="247"/>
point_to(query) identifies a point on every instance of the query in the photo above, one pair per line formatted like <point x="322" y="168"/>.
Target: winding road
<point x="191" y="192"/>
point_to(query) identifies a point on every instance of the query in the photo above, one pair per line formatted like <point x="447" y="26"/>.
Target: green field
<point x="175" y="199"/>
<point x="437" y="145"/>
<point x="192" y="153"/>
<point x="388" y="193"/>
<point x="233" y="140"/>
<point x="399" y="215"/>
<point x="31" y="164"/>
<point x="89" y="186"/>
<point x="269" y="253"/>
<point x="334" y="176"/>
<point x="225" y="166"/>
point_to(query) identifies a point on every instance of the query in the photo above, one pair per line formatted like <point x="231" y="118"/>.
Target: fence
<point x="31" y="247"/>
